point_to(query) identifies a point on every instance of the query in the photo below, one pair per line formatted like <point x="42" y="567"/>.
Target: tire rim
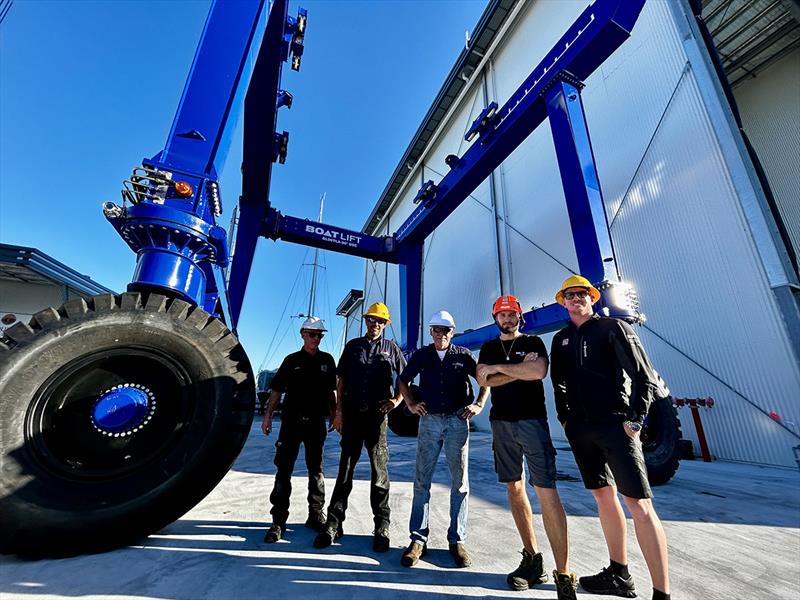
<point x="75" y="432"/>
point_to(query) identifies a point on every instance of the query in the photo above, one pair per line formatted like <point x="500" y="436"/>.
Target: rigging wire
<point x="285" y="306"/>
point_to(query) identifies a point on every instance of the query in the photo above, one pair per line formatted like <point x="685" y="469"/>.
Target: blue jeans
<point x="451" y="432"/>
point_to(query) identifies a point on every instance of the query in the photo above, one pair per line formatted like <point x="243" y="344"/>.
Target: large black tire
<point x="67" y="487"/>
<point x="661" y="441"/>
<point x="402" y="422"/>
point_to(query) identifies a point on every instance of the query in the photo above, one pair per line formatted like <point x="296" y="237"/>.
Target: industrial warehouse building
<point x="708" y="242"/>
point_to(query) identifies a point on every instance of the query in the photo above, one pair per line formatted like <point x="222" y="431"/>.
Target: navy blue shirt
<point x="369" y="370"/>
<point x="443" y="382"/>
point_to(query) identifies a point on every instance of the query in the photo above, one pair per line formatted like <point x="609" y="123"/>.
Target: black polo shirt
<point x="443" y="382"/>
<point x="369" y="370"/>
<point x="516" y="400"/>
<point x="307" y="381"/>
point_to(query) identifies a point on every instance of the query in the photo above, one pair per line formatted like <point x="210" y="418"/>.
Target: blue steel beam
<point x="587" y="215"/>
<point x="199" y="138"/>
<point x="319" y="235"/>
<point x="591" y="39"/>
<point x="411" y="262"/>
<point x="258" y="151"/>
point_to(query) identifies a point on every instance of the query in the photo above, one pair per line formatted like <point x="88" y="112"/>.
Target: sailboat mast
<point x="316" y="264"/>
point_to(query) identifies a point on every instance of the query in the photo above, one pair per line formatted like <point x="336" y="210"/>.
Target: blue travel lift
<point x="123" y="412"/>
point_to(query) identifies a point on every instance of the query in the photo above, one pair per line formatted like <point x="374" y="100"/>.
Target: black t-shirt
<point x="308" y="382"/>
<point x="516" y="400"/>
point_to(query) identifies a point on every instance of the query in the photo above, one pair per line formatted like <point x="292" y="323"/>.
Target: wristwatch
<point x="634" y="426"/>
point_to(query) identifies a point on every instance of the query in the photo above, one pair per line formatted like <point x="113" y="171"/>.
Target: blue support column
<point x="579" y="178"/>
<point x="410" y="294"/>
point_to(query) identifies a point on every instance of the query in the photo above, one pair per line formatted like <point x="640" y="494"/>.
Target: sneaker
<point x="529" y="572"/>
<point x="413" y="553"/>
<point x="607" y="582"/>
<point x="565" y="585"/>
<point x="380" y="541"/>
<point x="459" y="552"/>
<point x="328" y="536"/>
<point x="274" y="533"/>
<point x="316" y="521"/>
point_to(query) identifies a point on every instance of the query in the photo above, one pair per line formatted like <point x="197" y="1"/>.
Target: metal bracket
<point x="482" y="123"/>
<point x="426" y="194"/>
<point x="281" y="146"/>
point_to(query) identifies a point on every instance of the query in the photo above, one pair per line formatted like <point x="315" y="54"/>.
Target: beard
<point x="508" y="328"/>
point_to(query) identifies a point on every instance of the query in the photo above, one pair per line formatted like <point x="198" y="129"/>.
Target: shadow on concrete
<point x="188" y="558"/>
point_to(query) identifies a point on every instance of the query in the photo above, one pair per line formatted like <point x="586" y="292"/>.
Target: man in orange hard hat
<point x="514" y="365"/>
<point x="366" y="393"/>
<point x="604" y="384"/>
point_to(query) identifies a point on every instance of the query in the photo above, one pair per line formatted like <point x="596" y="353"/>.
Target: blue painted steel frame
<point x="181" y="249"/>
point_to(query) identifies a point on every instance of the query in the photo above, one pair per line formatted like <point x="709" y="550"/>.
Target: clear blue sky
<point x="89" y="88"/>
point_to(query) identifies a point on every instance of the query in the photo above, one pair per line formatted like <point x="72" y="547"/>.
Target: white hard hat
<point x="313" y="324"/>
<point x="442" y="319"/>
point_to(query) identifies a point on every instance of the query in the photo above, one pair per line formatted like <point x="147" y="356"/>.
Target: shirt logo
<point x="323" y="368"/>
<point x="565" y="342"/>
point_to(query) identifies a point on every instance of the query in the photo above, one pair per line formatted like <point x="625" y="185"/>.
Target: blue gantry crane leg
<point x="120" y="413"/>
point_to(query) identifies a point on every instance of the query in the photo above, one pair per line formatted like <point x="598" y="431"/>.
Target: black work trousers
<point x="311" y="433"/>
<point x="362" y="429"/>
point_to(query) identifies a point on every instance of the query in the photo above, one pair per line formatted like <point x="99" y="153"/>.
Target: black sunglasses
<point x="440" y="329"/>
<point x="315" y="334"/>
<point x="373" y="321"/>
<point x="578" y="294"/>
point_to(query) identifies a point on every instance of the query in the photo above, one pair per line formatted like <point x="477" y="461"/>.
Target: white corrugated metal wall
<point x="770" y="110"/>
<point x="680" y="234"/>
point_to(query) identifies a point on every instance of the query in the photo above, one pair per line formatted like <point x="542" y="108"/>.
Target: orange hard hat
<point x="506" y="302"/>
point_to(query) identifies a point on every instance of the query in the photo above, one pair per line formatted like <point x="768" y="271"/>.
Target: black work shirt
<point x="517" y="400"/>
<point x="443" y="382"/>
<point x="600" y="371"/>
<point x="369" y="370"/>
<point x="308" y="382"/>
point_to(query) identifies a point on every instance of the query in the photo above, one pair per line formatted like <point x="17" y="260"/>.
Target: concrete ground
<point x="734" y="532"/>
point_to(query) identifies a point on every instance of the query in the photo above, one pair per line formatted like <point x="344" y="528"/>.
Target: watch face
<point x="635" y="426"/>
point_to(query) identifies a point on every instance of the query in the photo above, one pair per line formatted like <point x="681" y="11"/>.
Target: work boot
<point x="529" y="572"/>
<point x="459" y="552"/>
<point x="380" y="541"/>
<point x="274" y="533"/>
<point x="565" y="585"/>
<point x="316" y="521"/>
<point x="609" y="583"/>
<point x="329" y="535"/>
<point x="413" y="553"/>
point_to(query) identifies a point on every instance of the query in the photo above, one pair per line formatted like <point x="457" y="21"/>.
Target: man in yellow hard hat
<point x="307" y="379"/>
<point x="366" y="393"/>
<point x="604" y="384"/>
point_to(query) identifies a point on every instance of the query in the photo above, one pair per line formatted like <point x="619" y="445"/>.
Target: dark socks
<point x="621" y="570"/>
<point x="659" y="595"/>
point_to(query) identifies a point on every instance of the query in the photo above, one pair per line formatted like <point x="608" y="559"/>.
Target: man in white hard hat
<point x="307" y="379"/>
<point x="445" y="405"/>
<point x="366" y="393"/>
<point x="604" y="383"/>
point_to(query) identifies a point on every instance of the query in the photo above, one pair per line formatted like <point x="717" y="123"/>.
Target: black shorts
<point x="529" y="438"/>
<point x="606" y="455"/>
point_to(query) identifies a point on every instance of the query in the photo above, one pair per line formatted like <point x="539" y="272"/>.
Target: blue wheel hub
<point x="123" y="410"/>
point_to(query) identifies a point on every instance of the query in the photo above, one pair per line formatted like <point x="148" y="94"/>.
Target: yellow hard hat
<point x="378" y="310"/>
<point x="577" y="281"/>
